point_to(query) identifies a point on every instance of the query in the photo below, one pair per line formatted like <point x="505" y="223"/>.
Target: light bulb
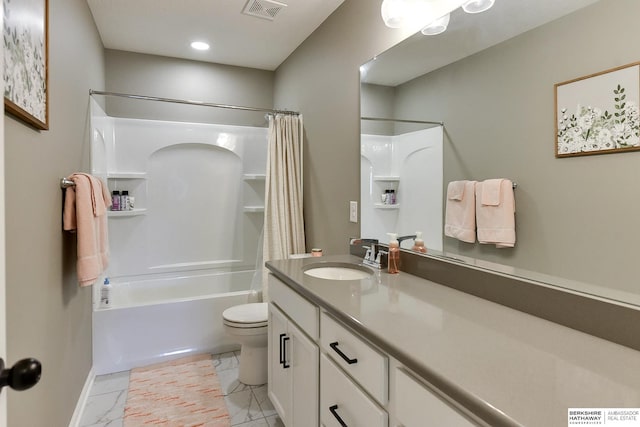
<point x="477" y="6"/>
<point x="394" y="12"/>
<point x="438" y="26"/>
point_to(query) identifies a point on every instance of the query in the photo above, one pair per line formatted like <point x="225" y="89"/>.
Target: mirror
<point x="490" y="78"/>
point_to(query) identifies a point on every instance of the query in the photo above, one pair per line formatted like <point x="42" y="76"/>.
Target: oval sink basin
<point x="338" y="273"/>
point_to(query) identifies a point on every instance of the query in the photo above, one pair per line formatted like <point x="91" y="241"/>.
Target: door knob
<point x="23" y="375"/>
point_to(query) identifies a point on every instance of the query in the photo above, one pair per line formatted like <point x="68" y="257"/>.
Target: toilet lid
<point x="251" y="315"/>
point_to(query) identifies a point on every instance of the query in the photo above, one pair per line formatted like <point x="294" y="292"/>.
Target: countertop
<point x="508" y="367"/>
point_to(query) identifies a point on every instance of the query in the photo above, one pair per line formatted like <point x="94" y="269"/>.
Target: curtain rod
<point x="403" y="121"/>
<point x="200" y="103"/>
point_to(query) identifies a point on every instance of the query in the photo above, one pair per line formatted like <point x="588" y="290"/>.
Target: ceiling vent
<point x="266" y="9"/>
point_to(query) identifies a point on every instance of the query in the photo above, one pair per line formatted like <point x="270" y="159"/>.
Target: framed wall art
<point x="26" y="91"/>
<point x="599" y="113"/>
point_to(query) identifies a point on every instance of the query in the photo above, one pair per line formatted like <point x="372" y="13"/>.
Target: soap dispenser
<point x="418" y="244"/>
<point x="393" y="261"/>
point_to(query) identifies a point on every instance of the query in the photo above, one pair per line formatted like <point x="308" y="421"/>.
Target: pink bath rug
<point x="179" y="393"/>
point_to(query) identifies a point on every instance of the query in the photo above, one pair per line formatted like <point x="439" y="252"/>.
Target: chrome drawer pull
<point x="334" y="346"/>
<point x="334" y="410"/>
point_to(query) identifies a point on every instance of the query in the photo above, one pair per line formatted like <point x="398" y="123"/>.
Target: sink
<point x="338" y="272"/>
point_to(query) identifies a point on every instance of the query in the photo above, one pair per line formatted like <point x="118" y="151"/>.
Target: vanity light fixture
<point x="430" y="15"/>
<point x="477" y="6"/>
<point x="437" y="27"/>
<point x="200" y="45"/>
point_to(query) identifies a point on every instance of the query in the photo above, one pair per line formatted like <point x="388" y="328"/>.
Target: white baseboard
<point x="82" y="400"/>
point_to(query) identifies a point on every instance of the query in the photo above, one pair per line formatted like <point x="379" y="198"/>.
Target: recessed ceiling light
<point x="200" y="45"/>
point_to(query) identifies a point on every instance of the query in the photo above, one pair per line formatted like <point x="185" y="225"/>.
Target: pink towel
<point x="460" y="215"/>
<point x="491" y="189"/>
<point x="85" y="208"/>
<point x="496" y="223"/>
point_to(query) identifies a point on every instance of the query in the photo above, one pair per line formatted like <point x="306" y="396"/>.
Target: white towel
<point x="496" y="222"/>
<point x="460" y="216"/>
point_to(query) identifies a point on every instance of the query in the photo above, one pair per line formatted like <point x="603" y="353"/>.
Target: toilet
<point x="247" y="325"/>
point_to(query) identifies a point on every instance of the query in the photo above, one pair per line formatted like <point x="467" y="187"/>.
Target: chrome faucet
<point x="373" y="256"/>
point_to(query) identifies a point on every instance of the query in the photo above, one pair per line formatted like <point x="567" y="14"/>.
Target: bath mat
<point x="179" y="393"/>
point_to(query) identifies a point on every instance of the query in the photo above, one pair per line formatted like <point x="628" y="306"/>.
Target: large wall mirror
<point x="490" y="79"/>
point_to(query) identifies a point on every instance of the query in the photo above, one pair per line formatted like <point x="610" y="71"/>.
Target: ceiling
<point x="167" y="27"/>
<point x="466" y="35"/>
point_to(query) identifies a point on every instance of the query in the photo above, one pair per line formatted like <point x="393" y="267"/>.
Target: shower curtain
<point x="283" y="220"/>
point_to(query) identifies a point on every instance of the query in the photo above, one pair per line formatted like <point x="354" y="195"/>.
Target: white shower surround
<point x="199" y="199"/>
<point x="413" y="163"/>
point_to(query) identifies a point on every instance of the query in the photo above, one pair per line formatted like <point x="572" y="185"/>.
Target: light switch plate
<point x="353" y="211"/>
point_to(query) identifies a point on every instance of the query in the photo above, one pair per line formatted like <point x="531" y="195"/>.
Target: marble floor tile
<point x="104" y="408"/>
<point x="225" y="361"/>
<point x="115" y="423"/>
<point x="275" y="421"/>
<point x="109" y="383"/>
<point x="260" y="393"/>
<point x="263" y="422"/>
<point x="229" y="382"/>
<point x="243" y="407"/>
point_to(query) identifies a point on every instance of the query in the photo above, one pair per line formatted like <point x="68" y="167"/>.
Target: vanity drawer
<point x="301" y="311"/>
<point x="357" y="358"/>
<point x="417" y="406"/>
<point x="342" y="400"/>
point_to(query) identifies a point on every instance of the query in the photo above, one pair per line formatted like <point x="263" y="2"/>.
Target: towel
<point x="460" y="215"/>
<point x="491" y="192"/>
<point x="85" y="209"/>
<point x="496" y="218"/>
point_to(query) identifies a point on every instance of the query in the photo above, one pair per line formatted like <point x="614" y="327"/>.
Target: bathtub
<point x="153" y="320"/>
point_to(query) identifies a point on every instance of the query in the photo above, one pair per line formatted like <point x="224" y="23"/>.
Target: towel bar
<point x="66" y="183"/>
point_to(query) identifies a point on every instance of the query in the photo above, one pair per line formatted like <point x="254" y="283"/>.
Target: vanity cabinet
<point x="322" y="372"/>
<point x="293" y="364"/>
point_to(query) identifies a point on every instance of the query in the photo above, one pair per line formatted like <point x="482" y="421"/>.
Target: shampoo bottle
<point x="105" y="294"/>
<point x="393" y="261"/>
<point x="418" y="244"/>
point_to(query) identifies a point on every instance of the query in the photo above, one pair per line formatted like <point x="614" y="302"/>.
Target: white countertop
<point x="530" y="369"/>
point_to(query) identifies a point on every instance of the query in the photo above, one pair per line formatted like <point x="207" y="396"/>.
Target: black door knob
<point x="23" y="375"/>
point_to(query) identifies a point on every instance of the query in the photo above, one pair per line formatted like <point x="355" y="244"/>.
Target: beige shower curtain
<point x="283" y="220"/>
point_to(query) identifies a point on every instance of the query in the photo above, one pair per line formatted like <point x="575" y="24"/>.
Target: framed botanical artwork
<point x="599" y="113"/>
<point x="26" y="91"/>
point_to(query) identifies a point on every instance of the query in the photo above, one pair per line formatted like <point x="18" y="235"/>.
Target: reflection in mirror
<point x="491" y="81"/>
<point x="401" y="180"/>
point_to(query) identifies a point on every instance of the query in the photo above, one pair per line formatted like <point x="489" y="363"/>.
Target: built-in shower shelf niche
<point x="254" y="177"/>
<point x="386" y="178"/>
<point x="253" y="209"/>
<point x="386" y="206"/>
<point x="132" y="212"/>
<point x="126" y="175"/>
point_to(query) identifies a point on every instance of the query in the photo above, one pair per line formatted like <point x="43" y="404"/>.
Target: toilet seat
<point x="254" y="315"/>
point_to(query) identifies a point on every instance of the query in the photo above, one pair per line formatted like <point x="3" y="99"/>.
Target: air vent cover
<point x="266" y="9"/>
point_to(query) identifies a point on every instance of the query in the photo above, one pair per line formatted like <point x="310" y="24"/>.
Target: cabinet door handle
<point x="284" y="353"/>
<point x="281" y="355"/>
<point x="334" y="346"/>
<point x="334" y="410"/>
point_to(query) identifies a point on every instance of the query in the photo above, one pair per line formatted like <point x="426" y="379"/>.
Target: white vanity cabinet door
<point x="342" y="403"/>
<point x="279" y="378"/>
<point x="293" y="372"/>
<point x="417" y="406"/>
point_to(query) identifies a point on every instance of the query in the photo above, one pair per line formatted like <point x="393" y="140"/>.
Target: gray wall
<point x="48" y="316"/>
<point x="165" y="77"/>
<point x="575" y="216"/>
<point x="321" y="79"/>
